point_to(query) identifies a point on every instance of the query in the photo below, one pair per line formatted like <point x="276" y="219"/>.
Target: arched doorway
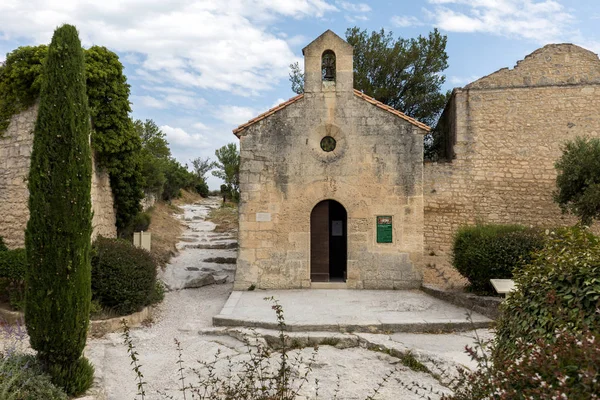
<point x="328" y="242"/>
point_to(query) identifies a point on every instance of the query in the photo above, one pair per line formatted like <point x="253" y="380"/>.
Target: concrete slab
<point x="341" y="310"/>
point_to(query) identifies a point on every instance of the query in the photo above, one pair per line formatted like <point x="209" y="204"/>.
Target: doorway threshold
<point x="328" y="285"/>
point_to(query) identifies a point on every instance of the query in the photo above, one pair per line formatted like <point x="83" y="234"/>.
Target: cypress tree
<point x="58" y="235"/>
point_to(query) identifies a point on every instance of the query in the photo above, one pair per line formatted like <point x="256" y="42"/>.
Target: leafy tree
<point x="114" y="138"/>
<point x="403" y="73"/>
<point x="296" y="78"/>
<point x="155" y="151"/>
<point x="152" y="138"/>
<point x="578" y="179"/>
<point x="59" y="229"/>
<point x="228" y="168"/>
<point x="177" y="177"/>
<point x="20" y="81"/>
<point x="201" y="167"/>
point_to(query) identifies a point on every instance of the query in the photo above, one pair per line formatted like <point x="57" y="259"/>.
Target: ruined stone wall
<point x="15" y="152"/>
<point x="509" y="130"/>
<point x="376" y="169"/>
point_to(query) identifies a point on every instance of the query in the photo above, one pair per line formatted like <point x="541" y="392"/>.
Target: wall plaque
<point x="384" y="229"/>
<point x="263" y="217"/>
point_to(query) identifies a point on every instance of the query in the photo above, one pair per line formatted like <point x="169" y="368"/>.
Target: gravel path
<point x="185" y="312"/>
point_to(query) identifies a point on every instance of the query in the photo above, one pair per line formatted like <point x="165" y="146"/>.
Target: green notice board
<point x="384" y="229"/>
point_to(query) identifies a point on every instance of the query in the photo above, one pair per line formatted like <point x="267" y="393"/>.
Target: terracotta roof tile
<point x="264" y="115"/>
<point x="392" y="110"/>
<point x="357" y="93"/>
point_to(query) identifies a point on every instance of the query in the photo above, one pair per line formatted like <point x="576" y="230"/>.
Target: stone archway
<point x="328" y="242"/>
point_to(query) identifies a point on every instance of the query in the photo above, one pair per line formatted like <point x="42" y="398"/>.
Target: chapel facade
<point x="331" y="185"/>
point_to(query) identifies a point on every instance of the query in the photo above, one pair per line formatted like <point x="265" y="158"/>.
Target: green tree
<point x="201" y="167"/>
<point x="152" y="138"/>
<point x="177" y="177"/>
<point x="20" y="81"/>
<point x="114" y="138"/>
<point x="578" y="179"/>
<point x="405" y="74"/>
<point x="155" y="152"/>
<point x="228" y="168"/>
<point x="59" y="230"/>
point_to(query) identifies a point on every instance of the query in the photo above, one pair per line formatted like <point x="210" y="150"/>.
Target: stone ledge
<point x="485" y="305"/>
<point x="97" y="328"/>
<point x="375" y="327"/>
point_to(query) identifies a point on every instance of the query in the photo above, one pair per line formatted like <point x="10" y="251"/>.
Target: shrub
<point x="2" y="245"/>
<point x="22" y="378"/>
<point x="559" y="289"/>
<point x="74" y="379"/>
<point x="58" y="290"/>
<point x="202" y="188"/>
<point x="578" y="179"/>
<point x="123" y="276"/>
<point x="13" y="267"/>
<point x="565" y="368"/>
<point x="141" y="222"/>
<point x="485" y="252"/>
<point x="158" y="294"/>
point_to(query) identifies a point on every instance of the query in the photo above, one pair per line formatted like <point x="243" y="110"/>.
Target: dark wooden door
<point x="328" y="242"/>
<point x="319" y="242"/>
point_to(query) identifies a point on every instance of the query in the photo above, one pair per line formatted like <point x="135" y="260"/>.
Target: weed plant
<point x="255" y="377"/>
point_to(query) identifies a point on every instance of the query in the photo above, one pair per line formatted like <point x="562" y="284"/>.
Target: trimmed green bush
<point x="58" y="235"/>
<point x="558" y="289"/>
<point x="13" y="267"/>
<point x="123" y="276"/>
<point x="485" y="252"/>
<point x="22" y="378"/>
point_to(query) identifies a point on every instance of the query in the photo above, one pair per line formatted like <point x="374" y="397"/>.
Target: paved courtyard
<point x="348" y="311"/>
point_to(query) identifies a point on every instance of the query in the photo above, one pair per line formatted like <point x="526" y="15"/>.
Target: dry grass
<point x="226" y="219"/>
<point x="166" y="228"/>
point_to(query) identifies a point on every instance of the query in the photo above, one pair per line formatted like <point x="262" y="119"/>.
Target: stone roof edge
<point x="392" y="110"/>
<point x="357" y="93"/>
<point x="266" y="114"/>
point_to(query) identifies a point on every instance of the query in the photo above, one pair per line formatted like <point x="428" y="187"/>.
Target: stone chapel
<point x="331" y="186"/>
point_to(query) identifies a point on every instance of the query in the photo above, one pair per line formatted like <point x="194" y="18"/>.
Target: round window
<point x="328" y="144"/>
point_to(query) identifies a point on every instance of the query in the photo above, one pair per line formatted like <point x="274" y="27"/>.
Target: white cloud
<point x="277" y="102"/>
<point x="404" y="21"/>
<point x="462" y="80"/>
<point x="177" y="137"/>
<point x="200" y="126"/>
<point x="235" y="115"/>
<point x="354" y="7"/>
<point x="147" y="101"/>
<point x="539" y="20"/>
<point x="357" y="11"/>
<point x="216" y="44"/>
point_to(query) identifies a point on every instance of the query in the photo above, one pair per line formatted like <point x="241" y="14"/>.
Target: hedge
<point x="485" y="252"/>
<point x="123" y="276"/>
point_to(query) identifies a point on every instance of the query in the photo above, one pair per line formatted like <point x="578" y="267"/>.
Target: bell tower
<point x="328" y="65"/>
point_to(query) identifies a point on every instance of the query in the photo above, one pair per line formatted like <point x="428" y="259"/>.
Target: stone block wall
<point x="15" y="152"/>
<point x="508" y="131"/>
<point x="375" y="169"/>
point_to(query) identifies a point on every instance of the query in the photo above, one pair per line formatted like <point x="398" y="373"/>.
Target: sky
<point x="199" y="68"/>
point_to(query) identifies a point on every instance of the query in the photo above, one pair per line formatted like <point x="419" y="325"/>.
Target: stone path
<point x="187" y="313"/>
<point x="349" y="310"/>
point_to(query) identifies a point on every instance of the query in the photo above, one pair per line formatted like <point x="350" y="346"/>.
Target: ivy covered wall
<point x="114" y="140"/>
